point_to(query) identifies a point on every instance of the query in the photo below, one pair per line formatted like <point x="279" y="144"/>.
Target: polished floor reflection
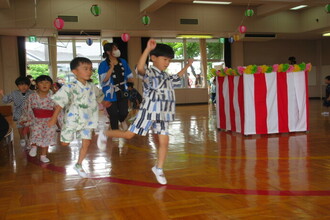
<point x="211" y="174"/>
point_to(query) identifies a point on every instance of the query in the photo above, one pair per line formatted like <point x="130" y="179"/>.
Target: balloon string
<point x="244" y="17"/>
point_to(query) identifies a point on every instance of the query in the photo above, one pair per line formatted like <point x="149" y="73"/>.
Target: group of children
<point x="36" y="113"/>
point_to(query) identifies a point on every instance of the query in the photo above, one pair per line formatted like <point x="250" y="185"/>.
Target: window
<point x="37" y="57"/>
<point x="192" y="48"/>
<point x="215" y="55"/>
<point x="184" y="49"/>
<point x="68" y="49"/>
<point x="195" y="76"/>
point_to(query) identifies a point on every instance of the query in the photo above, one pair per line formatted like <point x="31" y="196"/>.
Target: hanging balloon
<point x="327" y="8"/>
<point x="125" y="37"/>
<point x="104" y="42"/>
<point x="236" y="37"/>
<point x="89" y="41"/>
<point x="58" y="23"/>
<point x="95" y="10"/>
<point x="221" y="40"/>
<point x="249" y="12"/>
<point x="146" y="20"/>
<point x="231" y="40"/>
<point x="242" y="29"/>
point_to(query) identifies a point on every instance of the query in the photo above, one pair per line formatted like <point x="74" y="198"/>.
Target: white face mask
<point x="116" y="53"/>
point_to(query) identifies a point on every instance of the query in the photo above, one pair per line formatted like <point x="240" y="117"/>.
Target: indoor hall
<point x="212" y="174"/>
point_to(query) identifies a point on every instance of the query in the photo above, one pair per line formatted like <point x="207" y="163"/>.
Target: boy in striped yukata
<point x="158" y="106"/>
<point x="18" y="98"/>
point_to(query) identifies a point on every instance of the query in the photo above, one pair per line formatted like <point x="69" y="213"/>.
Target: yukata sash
<point x="42" y="113"/>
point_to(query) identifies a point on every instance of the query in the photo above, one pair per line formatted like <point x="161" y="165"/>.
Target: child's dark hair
<point x="108" y="47"/>
<point x="327" y="78"/>
<point x="44" y="78"/>
<point x="77" y="61"/>
<point x="22" y="80"/>
<point x="130" y="84"/>
<point x="163" y="50"/>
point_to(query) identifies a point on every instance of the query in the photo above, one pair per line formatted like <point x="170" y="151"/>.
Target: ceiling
<point x="271" y="6"/>
<point x="264" y="7"/>
<point x="261" y="7"/>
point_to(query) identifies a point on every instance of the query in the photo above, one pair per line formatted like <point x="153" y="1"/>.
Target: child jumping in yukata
<point x="158" y="106"/>
<point x="18" y="98"/>
<point x="38" y="109"/>
<point x="80" y="99"/>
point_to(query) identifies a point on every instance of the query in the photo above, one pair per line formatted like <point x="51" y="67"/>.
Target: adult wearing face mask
<point x="114" y="73"/>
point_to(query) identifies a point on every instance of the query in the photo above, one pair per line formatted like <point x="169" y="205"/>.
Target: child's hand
<point x="190" y="61"/>
<point x="106" y="104"/>
<point x="151" y="44"/>
<point x="51" y="122"/>
<point x="2" y="93"/>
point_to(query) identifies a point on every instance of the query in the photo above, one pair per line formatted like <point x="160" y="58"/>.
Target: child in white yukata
<point x="80" y="99"/>
<point x="38" y="109"/>
<point x="158" y="106"/>
<point x="18" y="98"/>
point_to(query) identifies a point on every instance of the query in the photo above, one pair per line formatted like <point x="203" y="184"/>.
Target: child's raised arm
<point x="184" y="69"/>
<point x="140" y="65"/>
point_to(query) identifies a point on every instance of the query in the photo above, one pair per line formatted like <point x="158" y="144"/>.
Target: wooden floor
<point x="211" y="175"/>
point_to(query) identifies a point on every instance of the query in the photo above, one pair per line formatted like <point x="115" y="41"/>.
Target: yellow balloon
<point x="104" y="42"/>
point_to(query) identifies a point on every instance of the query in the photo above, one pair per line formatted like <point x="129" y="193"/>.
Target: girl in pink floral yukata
<point x="38" y="109"/>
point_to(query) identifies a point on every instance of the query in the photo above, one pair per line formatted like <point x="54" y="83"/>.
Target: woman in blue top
<point x="114" y="73"/>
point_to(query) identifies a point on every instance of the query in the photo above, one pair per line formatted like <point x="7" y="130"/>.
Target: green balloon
<point x="327" y="8"/>
<point x="95" y="10"/>
<point x="249" y="12"/>
<point x="146" y="20"/>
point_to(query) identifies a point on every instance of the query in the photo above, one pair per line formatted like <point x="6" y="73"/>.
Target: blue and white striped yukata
<point x="18" y="99"/>
<point x="158" y="105"/>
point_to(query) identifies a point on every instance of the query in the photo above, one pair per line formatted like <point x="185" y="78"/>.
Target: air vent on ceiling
<point x="258" y="37"/>
<point x="69" y="18"/>
<point x="79" y="33"/>
<point x="188" y="21"/>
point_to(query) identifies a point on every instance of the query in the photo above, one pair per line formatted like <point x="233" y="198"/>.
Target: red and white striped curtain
<point x="263" y="103"/>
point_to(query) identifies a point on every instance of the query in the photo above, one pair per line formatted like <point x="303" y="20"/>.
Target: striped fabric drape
<point x="268" y="103"/>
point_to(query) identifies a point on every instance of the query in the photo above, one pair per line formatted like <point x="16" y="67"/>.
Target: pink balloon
<point x="125" y="37"/>
<point x="58" y="23"/>
<point x="242" y="29"/>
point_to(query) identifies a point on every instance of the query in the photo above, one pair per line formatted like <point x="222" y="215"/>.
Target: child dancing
<point x="80" y="99"/>
<point x="18" y="97"/>
<point x="38" y="109"/>
<point x="158" y="106"/>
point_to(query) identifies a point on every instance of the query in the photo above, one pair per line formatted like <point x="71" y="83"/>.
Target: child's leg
<point x="119" y="134"/>
<point x="44" y="151"/>
<point x="20" y="132"/>
<point x="65" y="144"/>
<point x="83" y="150"/>
<point x="43" y="156"/>
<point x="162" y="150"/>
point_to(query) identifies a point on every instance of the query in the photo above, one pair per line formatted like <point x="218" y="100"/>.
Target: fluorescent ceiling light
<point x="298" y="7"/>
<point x="194" y="36"/>
<point x="326" y="34"/>
<point x="212" y="2"/>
